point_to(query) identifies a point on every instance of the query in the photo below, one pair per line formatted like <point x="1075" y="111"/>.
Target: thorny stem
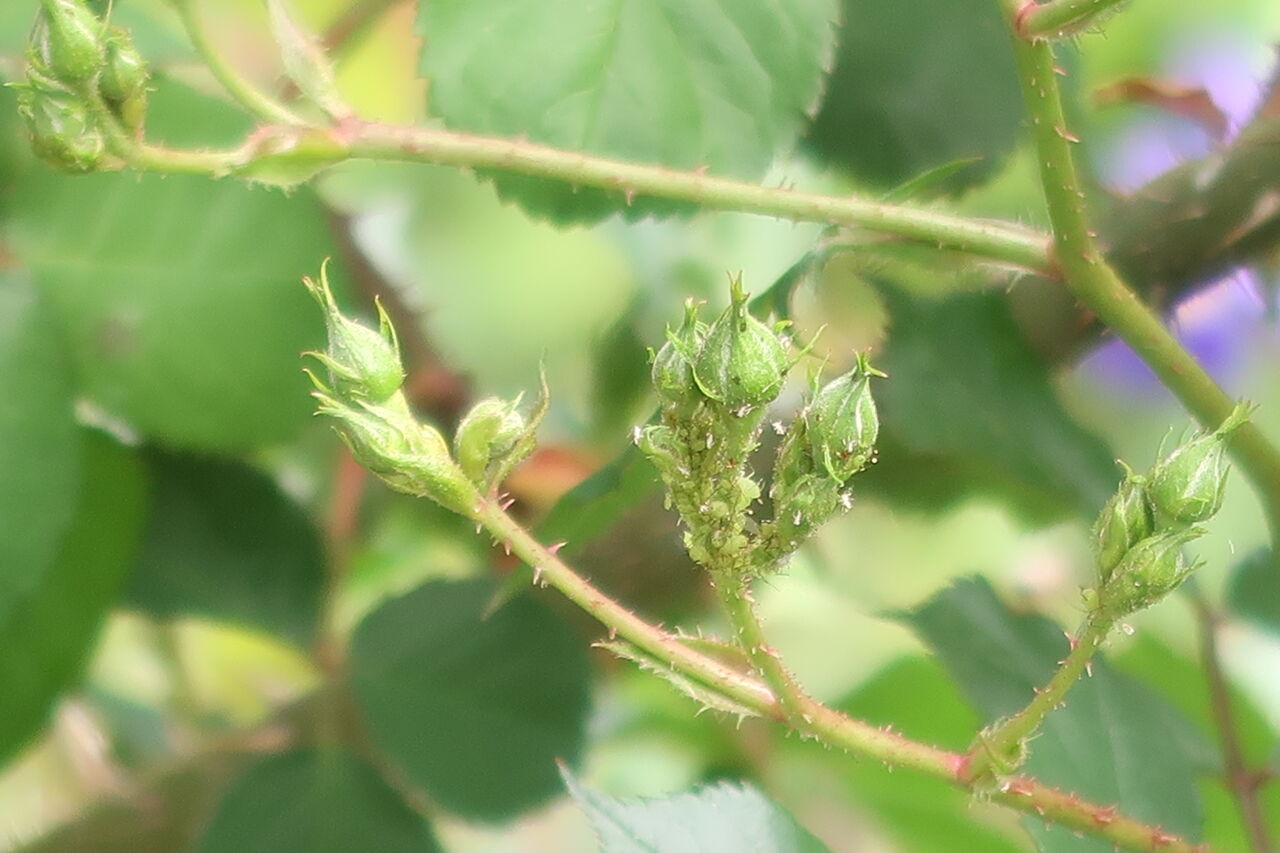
<point x="1095" y="283"/>
<point x="1242" y="783"/>
<point x="249" y="96"/>
<point x="355" y="139"/>
<point x="1005" y="737"/>
<point x="1058" y="17"/>
<point x="735" y="594"/>
<point x="814" y="719"/>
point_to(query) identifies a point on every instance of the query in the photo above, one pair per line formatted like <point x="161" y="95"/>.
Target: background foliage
<point x="180" y="543"/>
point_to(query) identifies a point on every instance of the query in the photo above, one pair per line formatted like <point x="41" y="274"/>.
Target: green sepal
<point x="363" y="364"/>
<point x="1188" y="485"/>
<point x="1125" y="520"/>
<point x="742" y="363"/>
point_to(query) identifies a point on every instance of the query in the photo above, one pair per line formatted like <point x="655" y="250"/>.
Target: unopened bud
<point x="410" y="457"/>
<point x="843" y="423"/>
<point x="1124" y="521"/>
<point x="742" y="362"/>
<point x="1187" y="486"/>
<point x="67" y="40"/>
<point x="673" y="364"/>
<point x="363" y="364"/>
<point x="1149" y="571"/>
<point x="63" y="133"/>
<point x="485" y="434"/>
<point x="124" y="79"/>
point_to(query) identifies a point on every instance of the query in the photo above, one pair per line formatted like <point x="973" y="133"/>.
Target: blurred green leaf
<point x="224" y="542"/>
<point x="589" y="509"/>
<point x="682" y="83"/>
<point x="475" y="711"/>
<point x="969" y="405"/>
<point x="1115" y="741"/>
<point x="39" y="444"/>
<point x="724" y="818"/>
<point x="921" y="813"/>
<point x="179" y="295"/>
<point x="619" y="378"/>
<point x="315" y="802"/>
<point x="918" y="85"/>
<point x="1254" y="590"/>
<point x="47" y="634"/>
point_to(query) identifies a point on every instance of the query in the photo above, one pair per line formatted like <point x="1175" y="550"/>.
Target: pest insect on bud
<point x="1150" y="570"/>
<point x="673" y="364"/>
<point x="843" y="423"/>
<point x="486" y="433"/>
<point x="67" y="41"/>
<point x="63" y="133"/>
<point x="363" y="364"/>
<point x="1187" y="486"/>
<point x="742" y="363"/>
<point x="1124" y="521"/>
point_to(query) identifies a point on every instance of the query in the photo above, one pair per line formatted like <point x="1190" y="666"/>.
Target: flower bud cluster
<point x="362" y="393"/>
<point x="715" y="382"/>
<point x="81" y="75"/>
<point x="1141" y="530"/>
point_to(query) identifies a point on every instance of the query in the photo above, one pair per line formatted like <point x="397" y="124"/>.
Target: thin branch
<point x="1093" y="281"/>
<point x="735" y="595"/>
<point x="1005" y="737"/>
<point x="1010" y="245"/>
<point x="1239" y="780"/>
<point x="815" y="719"/>
<point x="249" y="96"/>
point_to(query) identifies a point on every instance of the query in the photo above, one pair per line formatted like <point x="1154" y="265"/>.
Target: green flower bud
<point x="487" y="433"/>
<point x="1187" y="486"/>
<point x="1124" y="521"/>
<point x="363" y="364"/>
<point x="124" y="79"/>
<point x="63" y="133"/>
<point x="68" y="41"/>
<point x="742" y="363"/>
<point x="673" y="364"/>
<point x="843" y="423"/>
<point x="410" y="457"/>
<point x="1149" y="571"/>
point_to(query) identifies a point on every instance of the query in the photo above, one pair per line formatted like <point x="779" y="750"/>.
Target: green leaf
<point x="46" y="634"/>
<point x="969" y="405"/>
<point x="723" y="818"/>
<point x="179" y="295"/>
<point x="594" y="505"/>
<point x="921" y="813"/>
<point x="620" y="384"/>
<point x="475" y="711"/>
<point x="917" y="85"/>
<point x="39" y="444"/>
<point x="315" y="802"/>
<point x="1114" y="742"/>
<point x="681" y="83"/>
<point x="224" y="542"/>
<point x="1254" y="590"/>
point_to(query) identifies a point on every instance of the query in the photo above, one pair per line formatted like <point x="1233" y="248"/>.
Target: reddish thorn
<point x="1066" y="134"/>
<point x="1160" y="838"/>
<point x="506" y="505"/>
<point x="1104" y="816"/>
<point x="551" y="549"/>
<point x="630" y="195"/>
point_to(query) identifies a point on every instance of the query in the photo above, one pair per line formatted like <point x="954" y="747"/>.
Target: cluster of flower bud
<point x="81" y="74"/>
<point x="715" y="382"/>
<point x="1140" y="532"/>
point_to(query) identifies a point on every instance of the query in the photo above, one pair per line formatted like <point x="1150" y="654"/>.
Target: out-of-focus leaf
<point x="1254" y="593"/>
<point x="724" y="818"/>
<point x="918" y="85"/>
<point x="47" y="633"/>
<point x="920" y="813"/>
<point x="315" y="802"/>
<point x="969" y="405"/>
<point x="682" y="83"/>
<point x="475" y="711"/>
<point x="224" y="542"/>
<point x="179" y="295"/>
<point x="619" y="378"/>
<point x="1115" y="741"/>
<point x="39" y="444"/>
<point x="595" y="504"/>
